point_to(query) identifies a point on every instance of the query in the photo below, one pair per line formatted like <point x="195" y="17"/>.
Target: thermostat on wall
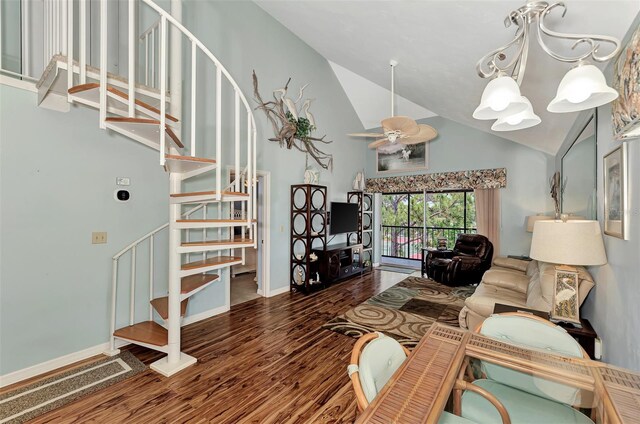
<point x="122" y="195"/>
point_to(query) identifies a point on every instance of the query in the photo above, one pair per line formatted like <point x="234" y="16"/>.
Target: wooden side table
<point x="585" y="336"/>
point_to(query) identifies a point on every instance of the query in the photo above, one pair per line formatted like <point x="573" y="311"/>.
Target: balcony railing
<point x="407" y="242"/>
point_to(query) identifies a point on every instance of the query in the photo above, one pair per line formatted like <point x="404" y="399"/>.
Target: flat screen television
<point x="344" y="218"/>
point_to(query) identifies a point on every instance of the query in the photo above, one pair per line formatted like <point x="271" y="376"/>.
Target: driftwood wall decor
<point x="291" y="129"/>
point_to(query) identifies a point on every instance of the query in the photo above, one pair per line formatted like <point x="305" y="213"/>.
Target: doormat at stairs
<point x="35" y="399"/>
<point x="404" y="311"/>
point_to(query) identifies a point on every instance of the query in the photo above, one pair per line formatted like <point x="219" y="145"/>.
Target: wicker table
<point x="420" y="389"/>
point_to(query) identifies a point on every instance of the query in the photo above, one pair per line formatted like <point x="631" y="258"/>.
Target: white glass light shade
<point x="501" y="97"/>
<point x="573" y="242"/>
<point x="583" y="87"/>
<point x="518" y="121"/>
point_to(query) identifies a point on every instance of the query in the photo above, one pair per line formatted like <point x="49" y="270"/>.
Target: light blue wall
<point x="58" y="176"/>
<point x="612" y="307"/>
<point x="459" y="148"/>
<point x="57" y="183"/>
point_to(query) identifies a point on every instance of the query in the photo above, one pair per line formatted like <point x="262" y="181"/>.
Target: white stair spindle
<point x="26" y="37"/>
<point x="146" y="60"/>
<point x="163" y="86"/>
<point x="114" y="293"/>
<point x="132" y="296"/>
<point x="69" y="47"/>
<point x="219" y="133"/>
<point x="249" y="175"/>
<point x="193" y="97"/>
<point x="204" y="230"/>
<point x="237" y="140"/>
<point x="151" y="248"/>
<point x="103" y="63"/>
<point x="132" y="59"/>
<point x="153" y="57"/>
<point x="83" y="41"/>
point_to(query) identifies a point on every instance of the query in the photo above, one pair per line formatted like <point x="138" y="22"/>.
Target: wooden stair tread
<point x="218" y="242"/>
<point x="210" y="193"/>
<point x="190" y="159"/>
<point x="147" y="332"/>
<point x="146" y="121"/>
<point x="94" y="85"/>
<point x="217" y="260"/>
<point x="161" y="305"/>
<point x="193" y="282"/>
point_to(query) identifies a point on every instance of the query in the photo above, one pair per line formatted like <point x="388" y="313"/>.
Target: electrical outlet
<point x="98" y="237"/>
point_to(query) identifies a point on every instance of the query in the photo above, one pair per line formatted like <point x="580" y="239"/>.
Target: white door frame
<point x="265" y="290"/>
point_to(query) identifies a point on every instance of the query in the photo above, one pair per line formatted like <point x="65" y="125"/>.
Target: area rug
<point x="396" y="269"/>
<point x="30" y="401"/>
<point x="404" y="311"/>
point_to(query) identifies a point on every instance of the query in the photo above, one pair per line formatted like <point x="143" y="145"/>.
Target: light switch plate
<point x="123" y="181"/>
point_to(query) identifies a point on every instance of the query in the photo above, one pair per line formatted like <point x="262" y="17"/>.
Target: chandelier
<point x="583" y="87"/>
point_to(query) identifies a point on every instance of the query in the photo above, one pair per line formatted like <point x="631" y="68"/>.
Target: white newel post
<point x="175" y="360"/>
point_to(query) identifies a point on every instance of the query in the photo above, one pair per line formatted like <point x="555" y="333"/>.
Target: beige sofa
<point x="527" y="284"/>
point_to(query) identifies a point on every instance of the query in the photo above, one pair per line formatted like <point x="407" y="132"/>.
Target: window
<point x="411" y="221"/>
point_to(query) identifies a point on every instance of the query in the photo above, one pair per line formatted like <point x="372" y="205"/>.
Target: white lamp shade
<point x="532" y="219"/>
<point x="583" y="87"/>
<point x="518" y="121"/>
<point x="573" y="242"/>
<point x="501" y="97"/>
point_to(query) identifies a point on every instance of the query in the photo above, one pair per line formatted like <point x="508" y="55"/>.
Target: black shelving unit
<point x="364" y="235"/>
<point x="308" y="232"/>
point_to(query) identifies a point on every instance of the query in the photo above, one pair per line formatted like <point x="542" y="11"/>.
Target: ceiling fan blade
<point x="425" y="133"/>
<point x="371" y="135"/>
<point x="404" y="124"/>
<point x="378" y="143"/>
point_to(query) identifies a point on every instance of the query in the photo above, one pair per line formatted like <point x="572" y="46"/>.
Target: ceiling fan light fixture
<point x="501" y="97"/>
<point x="583" y="87"/>
<point x="519" y="121"/>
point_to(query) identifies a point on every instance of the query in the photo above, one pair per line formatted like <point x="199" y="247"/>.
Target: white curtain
<point x="488" y="216"/>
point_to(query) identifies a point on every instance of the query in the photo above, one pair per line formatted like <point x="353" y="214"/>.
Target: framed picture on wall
<point x="398" y="157"/>
<point x="625" y="112"/>
<point x="615" y="192"/>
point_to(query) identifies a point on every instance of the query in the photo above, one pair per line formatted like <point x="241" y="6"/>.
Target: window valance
<point x="442" y="181"/>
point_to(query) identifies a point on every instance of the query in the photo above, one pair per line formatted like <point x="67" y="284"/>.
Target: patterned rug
<point x="404" y="311"/>
<point x="32" y="400"/>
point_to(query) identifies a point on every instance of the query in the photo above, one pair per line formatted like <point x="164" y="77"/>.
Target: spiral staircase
<point x="147" y="105"/>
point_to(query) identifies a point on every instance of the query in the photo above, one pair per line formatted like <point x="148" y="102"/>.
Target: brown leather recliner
<point x="465" y="264"/>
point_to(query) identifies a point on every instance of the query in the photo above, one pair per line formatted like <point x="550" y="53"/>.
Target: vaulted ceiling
<point x="437" y="44"/>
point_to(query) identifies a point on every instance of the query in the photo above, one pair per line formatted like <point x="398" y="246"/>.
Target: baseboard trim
<point x="276" y="292"/>
<point x="204" y="315"/>
<point x="53" y="364"/>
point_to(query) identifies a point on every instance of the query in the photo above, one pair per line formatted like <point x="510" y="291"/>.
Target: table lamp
<point x="567" y="243"/>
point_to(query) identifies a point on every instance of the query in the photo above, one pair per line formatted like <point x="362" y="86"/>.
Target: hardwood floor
<point x="265" y="361"/>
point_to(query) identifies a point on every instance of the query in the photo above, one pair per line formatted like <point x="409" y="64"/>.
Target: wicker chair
<point x="376" y="357"/>
<point x="528" y="399"/>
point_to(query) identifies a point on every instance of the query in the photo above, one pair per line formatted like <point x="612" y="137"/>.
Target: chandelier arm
<point x="521" y="63"/>
<point x="491" y="58"/>
<point x="592" y="40"/>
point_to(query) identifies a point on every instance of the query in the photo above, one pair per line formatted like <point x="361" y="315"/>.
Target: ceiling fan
<point x="399" y="129"/>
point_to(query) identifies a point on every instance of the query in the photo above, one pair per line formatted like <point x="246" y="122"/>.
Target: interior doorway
<point x="251" y="280"/>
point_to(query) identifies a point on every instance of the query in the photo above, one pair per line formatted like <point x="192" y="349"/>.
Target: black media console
<point x="339" y="261"/>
